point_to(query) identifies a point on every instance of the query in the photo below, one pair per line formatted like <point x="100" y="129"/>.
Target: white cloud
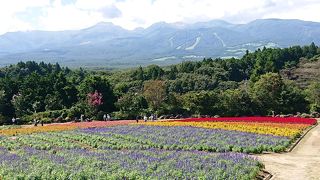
<point x="8" y="9"/>
<point x="133" y="13"/>
<point x="303" y="11"/>
<point x="69" y="17"/>
<point x="201" y="10"/>
<point x="93" y="4"/>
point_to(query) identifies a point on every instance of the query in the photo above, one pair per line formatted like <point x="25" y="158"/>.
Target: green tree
<point x="292" y="99"/>
<point x="138" y="74"/>
<point x="132" y="104"/>
<point x="173" y="104"/>
<point x="202" y="102"/>
<point x="172" y="74"/>
<point x="271" y="93"/>
<point x="154" y="72"/>
<point x="235" y="102"/>
<point x="9" y="87"/>
<point x="266" y="93"/>
<point x="155" y="93"/>
<point x="36" y="106"/>
<point x="313" y="96"/>
<point x="53" y="102"/>
<point x="2" y="118"/>
<point x="96" y="83"/>
<point x="21" y="105"/>
<point x="1" y="105"/>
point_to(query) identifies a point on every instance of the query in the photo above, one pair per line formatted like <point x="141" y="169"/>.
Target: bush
<point x="121" y="115"/>
<point x="315" y="114"/>
<point x="305" y="115"/>
<point x="99" y="115"/>
<point x="64" y="114"/>
<point x="54" y="114"/>
<point x="314" y="108"/>
<point x="46" y="117"/>
<point x="75" y="111"/>
<point x="3" y="119"/>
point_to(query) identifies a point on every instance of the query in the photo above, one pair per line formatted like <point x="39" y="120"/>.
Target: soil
<point x="302" y="163"/>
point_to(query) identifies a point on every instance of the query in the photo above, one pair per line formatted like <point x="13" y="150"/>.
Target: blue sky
<point x="53" y="15"/>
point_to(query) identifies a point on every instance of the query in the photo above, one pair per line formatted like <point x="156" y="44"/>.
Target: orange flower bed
<point x="61" y="127"/>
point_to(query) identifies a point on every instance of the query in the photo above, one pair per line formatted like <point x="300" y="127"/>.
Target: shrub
<point x="74" y="111"/>
<point x="120" y="115"/>
<point x="99" y="115"/>
<point x="2" y="119"/>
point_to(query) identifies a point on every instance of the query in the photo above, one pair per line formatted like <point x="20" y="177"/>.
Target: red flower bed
<point x="293" y="120"/>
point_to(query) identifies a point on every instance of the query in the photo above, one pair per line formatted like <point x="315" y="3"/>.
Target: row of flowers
<point x="134" y="152"/>
<point x="30" y="163"/>
<point x="278" y="129"/>
<point x="146" y="137"/>
<point x="291" y="120"/>
<point x="59" y="127"/>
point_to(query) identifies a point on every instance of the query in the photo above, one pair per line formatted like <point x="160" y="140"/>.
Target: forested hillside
<point x="306" y="72"/>
<point x="251" y="85"/>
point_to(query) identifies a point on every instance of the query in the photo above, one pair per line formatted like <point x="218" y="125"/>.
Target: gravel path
<point x="303" y="163"/>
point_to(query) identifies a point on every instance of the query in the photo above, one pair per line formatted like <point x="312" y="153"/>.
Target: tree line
<point x="250" y="85"/>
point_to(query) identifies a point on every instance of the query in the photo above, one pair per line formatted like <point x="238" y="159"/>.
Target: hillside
<point x="225" y="87"/>
<point x="106" y="44"/>
<point x="307" y="71"/>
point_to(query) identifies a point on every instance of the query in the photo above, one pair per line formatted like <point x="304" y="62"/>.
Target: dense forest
<point x="247" y="86"/>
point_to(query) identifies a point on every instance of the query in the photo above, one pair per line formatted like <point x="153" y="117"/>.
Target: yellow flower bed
<point x="278" y="129"/>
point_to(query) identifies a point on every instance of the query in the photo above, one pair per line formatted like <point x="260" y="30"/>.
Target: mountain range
<point x="106" y="44"/>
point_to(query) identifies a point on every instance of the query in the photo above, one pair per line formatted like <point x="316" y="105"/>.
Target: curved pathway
<point x="302" y="163"/>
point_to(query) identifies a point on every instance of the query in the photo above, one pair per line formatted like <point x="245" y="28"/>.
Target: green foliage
<point x="2" y="95"/>
<point x="266" y="93"/>
<point x="76" y="111"/>
<point x="132" y="103"/>
<point x="313" y="96"/>
<point x="235" y="102"/>
<point x="2" y="119"/>
<point x="94" y="83"/>
<point x="293" y="99"/>
<point x="29" y="87"/>
<point x="47" y="116"/>
<point x="155" y="93"/>
<point x="123" y="115"/>
<point x="173" y="105"/>
<point x="203" y="102"/>
<point x="272" y="94"/>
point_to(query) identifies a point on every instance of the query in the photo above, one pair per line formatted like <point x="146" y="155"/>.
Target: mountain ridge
<point x="106" y="44"/>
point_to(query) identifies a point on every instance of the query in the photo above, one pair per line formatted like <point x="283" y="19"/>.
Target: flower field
<point x="278" y="129"/>
<point x="118" y="153"/>
<point x="30" y="163"/>
<point x="288" y="120"/>
<point x="214" y="148"/>
<point x="58" y="127"/>
<point x="290" y="127"/>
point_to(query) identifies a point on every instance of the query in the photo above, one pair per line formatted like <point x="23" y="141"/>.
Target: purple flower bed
<point x="133" y="152"/>
<point x="192" y="138"/>
<point x="31" y="163"/>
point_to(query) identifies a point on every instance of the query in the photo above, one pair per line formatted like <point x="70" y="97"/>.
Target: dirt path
<point x="303" y="163"/>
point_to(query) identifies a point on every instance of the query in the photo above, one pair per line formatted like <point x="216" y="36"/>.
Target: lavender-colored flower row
<point x="30" y="163"/>
<point x="192" y="138"/>
<point x="134" y="152"/>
